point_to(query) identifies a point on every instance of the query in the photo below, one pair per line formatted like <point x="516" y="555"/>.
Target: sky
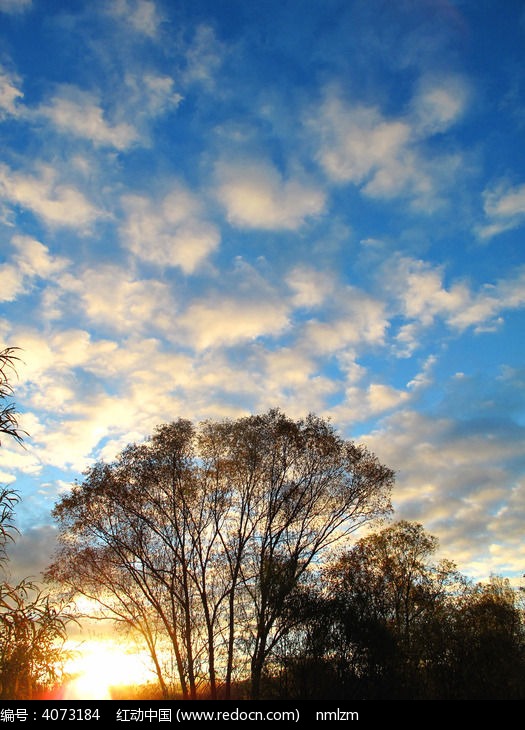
<point x="210" y="209"/>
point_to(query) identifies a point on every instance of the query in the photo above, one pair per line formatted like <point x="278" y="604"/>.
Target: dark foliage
<point x="387" y="623"/>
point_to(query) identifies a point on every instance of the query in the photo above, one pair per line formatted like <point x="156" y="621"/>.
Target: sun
<point x="100" y="665"/>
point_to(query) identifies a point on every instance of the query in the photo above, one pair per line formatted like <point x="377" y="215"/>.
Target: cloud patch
<point x="80" y="113"/>
<point x="311" y="288"/>
<point x="504" y="207"/>
<point x="31" y="260"/>
<point x="203" y="57"/>
<point x="172" y="233"/>
<point x="256" y="195"/>
<point x="385" y="156"/>
<point x="356" y="319"/>
<point x="10" y="93"/>
<point x="114" y="300"/>
<point x="140" y="15"/>
<point x="438" y="104"/>
<point x="226" y="321"/>
<point x="15" y="6"/>
<point x="56" y="203"/>
<point x="459" y="480"/>
<point x="422" y="298"/>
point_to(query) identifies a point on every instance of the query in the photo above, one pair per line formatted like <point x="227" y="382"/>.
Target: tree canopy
<point x="231" y="548"/>
<point x="201" y="537"/>
<point x="390" y="622"/>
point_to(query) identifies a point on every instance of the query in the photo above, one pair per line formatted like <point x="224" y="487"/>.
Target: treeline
<point x="226" y="547"/>
<point x="386" y="622"/>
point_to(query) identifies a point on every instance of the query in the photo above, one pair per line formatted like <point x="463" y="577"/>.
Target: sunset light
<point x="262" y="353"/>
<point x="97" y="666"/>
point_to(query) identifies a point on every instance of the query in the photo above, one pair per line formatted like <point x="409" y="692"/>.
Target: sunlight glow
<point x="100" y="665"/>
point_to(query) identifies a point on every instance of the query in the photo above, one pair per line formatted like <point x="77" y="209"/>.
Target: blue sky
<point x="208" y="209"/>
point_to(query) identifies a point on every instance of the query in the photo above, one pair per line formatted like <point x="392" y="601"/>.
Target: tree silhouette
<point x="487" y="643"/>
<point x="386" y="621"/>
<point x="216" y="526"/>
<point x="32" y="625"/>
<point x="32" y="635"/>
<point x="390" y="591"/>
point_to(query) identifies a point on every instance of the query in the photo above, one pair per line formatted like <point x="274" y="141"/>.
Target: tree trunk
<point x="256" y="676"/>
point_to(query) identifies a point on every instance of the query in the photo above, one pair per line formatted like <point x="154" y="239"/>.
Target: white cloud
<point x="85" y="390"/>
<point x="11" y="282"/>
<point x="10" y="94"/>
<point x="356" y="319"/>
<point x="49" y="371"/>
<point x="385" y="156"/>
<point x="511" y="291"/>
<point x="203" y="57"/>
<point x="311" y="287"/>
<point x="226" y="321"/>
<point x="98" y="395"/>
<point x="507" y="549"/>
<point x="141" y="15"/>
<point x="148" y="95"/>
<point x="420" y="289"/>
<point x="14" y="6"/>
<point x="287" y="367"/>
<point x="32" y="260"/>
<point x="422" y="297"/>
<point x="58" y="204"/>
<point x="297" y="400"/>
<point x="173" y="232"/>
<point x="15" y="458"/>
<point x="255" y="195"/>
<point x="504" y="207"/>
<point x="483" y="308"/>
<point x="357" y="142"/>
<point x="424" y="378"/>
<point x="458" y="481"/>
<point x="359" y="404"/>
<point x="79" y="113"/>
<point x="381" y="397"/>
<point x="120" y="119"/>
<point x="438" y="104"/>
<point x="114" y="300"/>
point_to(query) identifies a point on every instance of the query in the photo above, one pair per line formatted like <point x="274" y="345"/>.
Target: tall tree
<point x="216" y="526"/>
<point x="487" y="644"/>
<point x="393" y="574"/>
<point x="388" y="621"/>
<point x="388" y="595"/>
<point x="312" y="490"/>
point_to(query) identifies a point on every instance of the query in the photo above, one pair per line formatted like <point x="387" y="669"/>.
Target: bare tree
<point x="215" y="526"/>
